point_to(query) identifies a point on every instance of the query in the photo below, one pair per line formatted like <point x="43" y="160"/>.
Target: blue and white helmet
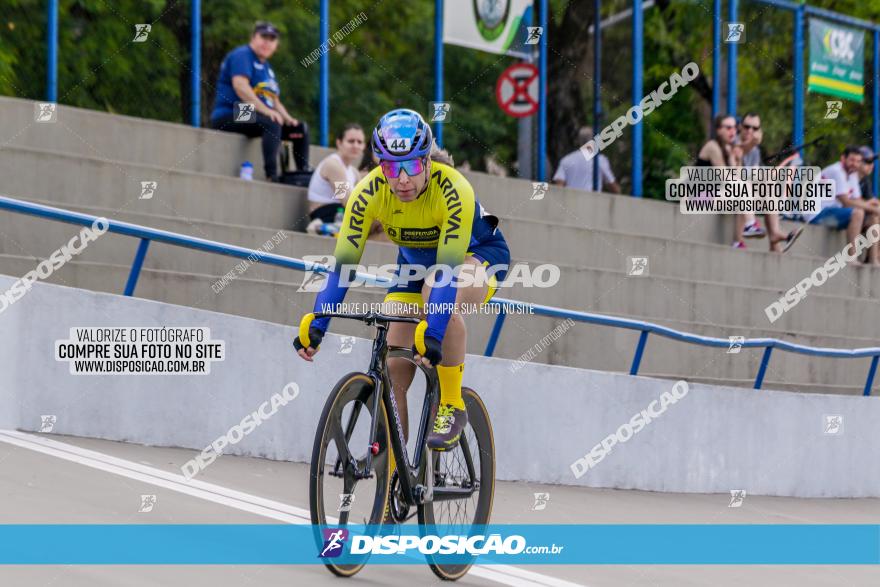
<point x="402" y="134"/>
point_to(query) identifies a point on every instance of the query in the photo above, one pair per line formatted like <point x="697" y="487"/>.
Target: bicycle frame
<point x="415" y="492"/>
<point x="378" y="372"/>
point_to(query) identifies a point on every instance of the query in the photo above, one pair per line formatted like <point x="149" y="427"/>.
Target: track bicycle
<point x="350" y="480"/>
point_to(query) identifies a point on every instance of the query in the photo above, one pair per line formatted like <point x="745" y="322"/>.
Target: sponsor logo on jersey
<point x="453" y="206"/>
<point x="359" y="207"/>
<point x="420" y="234"/>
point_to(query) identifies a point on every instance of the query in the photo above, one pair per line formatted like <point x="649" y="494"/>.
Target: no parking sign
<point x="517" y="90"/>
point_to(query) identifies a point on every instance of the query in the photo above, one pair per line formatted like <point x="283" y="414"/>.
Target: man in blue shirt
<point x="247" y="100"/>
<point x="865" y="172"/>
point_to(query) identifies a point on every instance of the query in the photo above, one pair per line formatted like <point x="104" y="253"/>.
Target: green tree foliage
<point x="22" y="46"/>
<point x="682" y="32"/>
<point x="387" y="62"/>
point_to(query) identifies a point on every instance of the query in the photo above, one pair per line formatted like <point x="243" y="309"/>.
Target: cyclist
<point x="429" y="210"/>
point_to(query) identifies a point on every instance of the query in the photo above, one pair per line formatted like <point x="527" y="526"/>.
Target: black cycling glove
<point x="432" y="350"/>
<point x="315" y="338"/>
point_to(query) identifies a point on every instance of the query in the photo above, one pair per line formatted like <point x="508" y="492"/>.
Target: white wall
<point x="544" y="417"/>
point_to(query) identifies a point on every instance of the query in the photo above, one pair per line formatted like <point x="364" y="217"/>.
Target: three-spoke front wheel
<point x="338" y="494"/>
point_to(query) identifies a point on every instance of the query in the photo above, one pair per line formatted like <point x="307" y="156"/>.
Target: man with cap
<point x="865" y="171"/>
<point x="247" y="99"/>
<point x="848" y="210"/>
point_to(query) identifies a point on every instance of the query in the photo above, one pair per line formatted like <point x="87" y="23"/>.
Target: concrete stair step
<point x="38" y="238"/>
<point x="173" y="147"/>
<point x="166" y="145"/>
<point x="583" y="345"/>
<point x="613" y="292"/>
<point x="115" y="186"/>
<point x="679" y="258"/>
<point x="605" y="250"/>
<point x="110" y="186"/>
<point x="593" y="289"/>
<point x="510" y="198"/>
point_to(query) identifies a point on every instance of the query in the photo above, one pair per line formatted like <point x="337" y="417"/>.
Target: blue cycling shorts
<point x="493" y="252"/>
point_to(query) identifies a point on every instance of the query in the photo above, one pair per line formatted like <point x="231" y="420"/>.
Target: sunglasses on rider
<point x="750" y="127"/>
<point x="411" y="166"/>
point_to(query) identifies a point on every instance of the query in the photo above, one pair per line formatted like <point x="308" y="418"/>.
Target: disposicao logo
<point x="334" y="542"/>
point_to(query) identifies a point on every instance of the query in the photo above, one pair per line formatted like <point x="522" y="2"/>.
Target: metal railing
<point x="645" y="328"/>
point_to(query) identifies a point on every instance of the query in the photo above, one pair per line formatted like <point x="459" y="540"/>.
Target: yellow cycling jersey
<point x="446" y="217"/>
<point x="439" y="227"/>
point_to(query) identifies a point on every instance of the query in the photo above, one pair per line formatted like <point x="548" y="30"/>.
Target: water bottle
<point x="328" y="229"/>
<point x="337" y="221"/>
<point x="247" y="171"/>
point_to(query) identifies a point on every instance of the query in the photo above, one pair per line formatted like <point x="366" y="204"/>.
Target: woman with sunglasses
<point x="430" y="211"/>
<point x="718" y="151"/>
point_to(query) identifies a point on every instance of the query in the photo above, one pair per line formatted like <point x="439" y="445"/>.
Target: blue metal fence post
<point x="731" y="62"/>
<point x="872" y="370"/>
<point x="876" y="108"/>
<point x="640" y="349"/>
<point x="324" y="83"/>
<point x="762" y="370"/>
<point x="195" y="45"/>
<point x="798" y="96"/>
<point x="136" y="266"/>
<point x="716" y="57"/>
<point x="438" y="65"/>
<point x="542" y="91"/>
<point x="638" y="49"/>
<point x="52" y="51"/>
<point x="597" y="83"/>
<point x="496" y="332"/>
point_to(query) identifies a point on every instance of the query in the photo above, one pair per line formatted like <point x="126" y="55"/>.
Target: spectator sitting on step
<point x="747" y="150"/>
<point x="247" y="100"/>
<point x="747" y="147"/>
<point x="335" y="177"/>
<point x="576" y="171"/>
<point x="866" y="186"/>
<point x="718" y="151"/>
<point x="847" y="210"/>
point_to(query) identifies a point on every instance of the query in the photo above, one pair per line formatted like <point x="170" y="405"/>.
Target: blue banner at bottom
<point x="582" y="544"/>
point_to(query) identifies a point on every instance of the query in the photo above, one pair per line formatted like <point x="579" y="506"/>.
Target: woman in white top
<point x="336" y="176"/>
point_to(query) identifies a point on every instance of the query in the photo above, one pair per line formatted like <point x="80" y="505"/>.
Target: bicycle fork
<point x="417" y="493"/>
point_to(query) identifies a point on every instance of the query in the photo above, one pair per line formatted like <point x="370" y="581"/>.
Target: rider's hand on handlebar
<point x="315" y="337"/>
<point x="432" y="354"/>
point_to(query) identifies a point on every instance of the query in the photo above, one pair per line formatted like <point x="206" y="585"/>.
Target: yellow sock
<point x="450" y="384"/>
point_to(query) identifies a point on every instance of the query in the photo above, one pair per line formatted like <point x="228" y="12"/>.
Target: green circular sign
<point x="491" y="17"/>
